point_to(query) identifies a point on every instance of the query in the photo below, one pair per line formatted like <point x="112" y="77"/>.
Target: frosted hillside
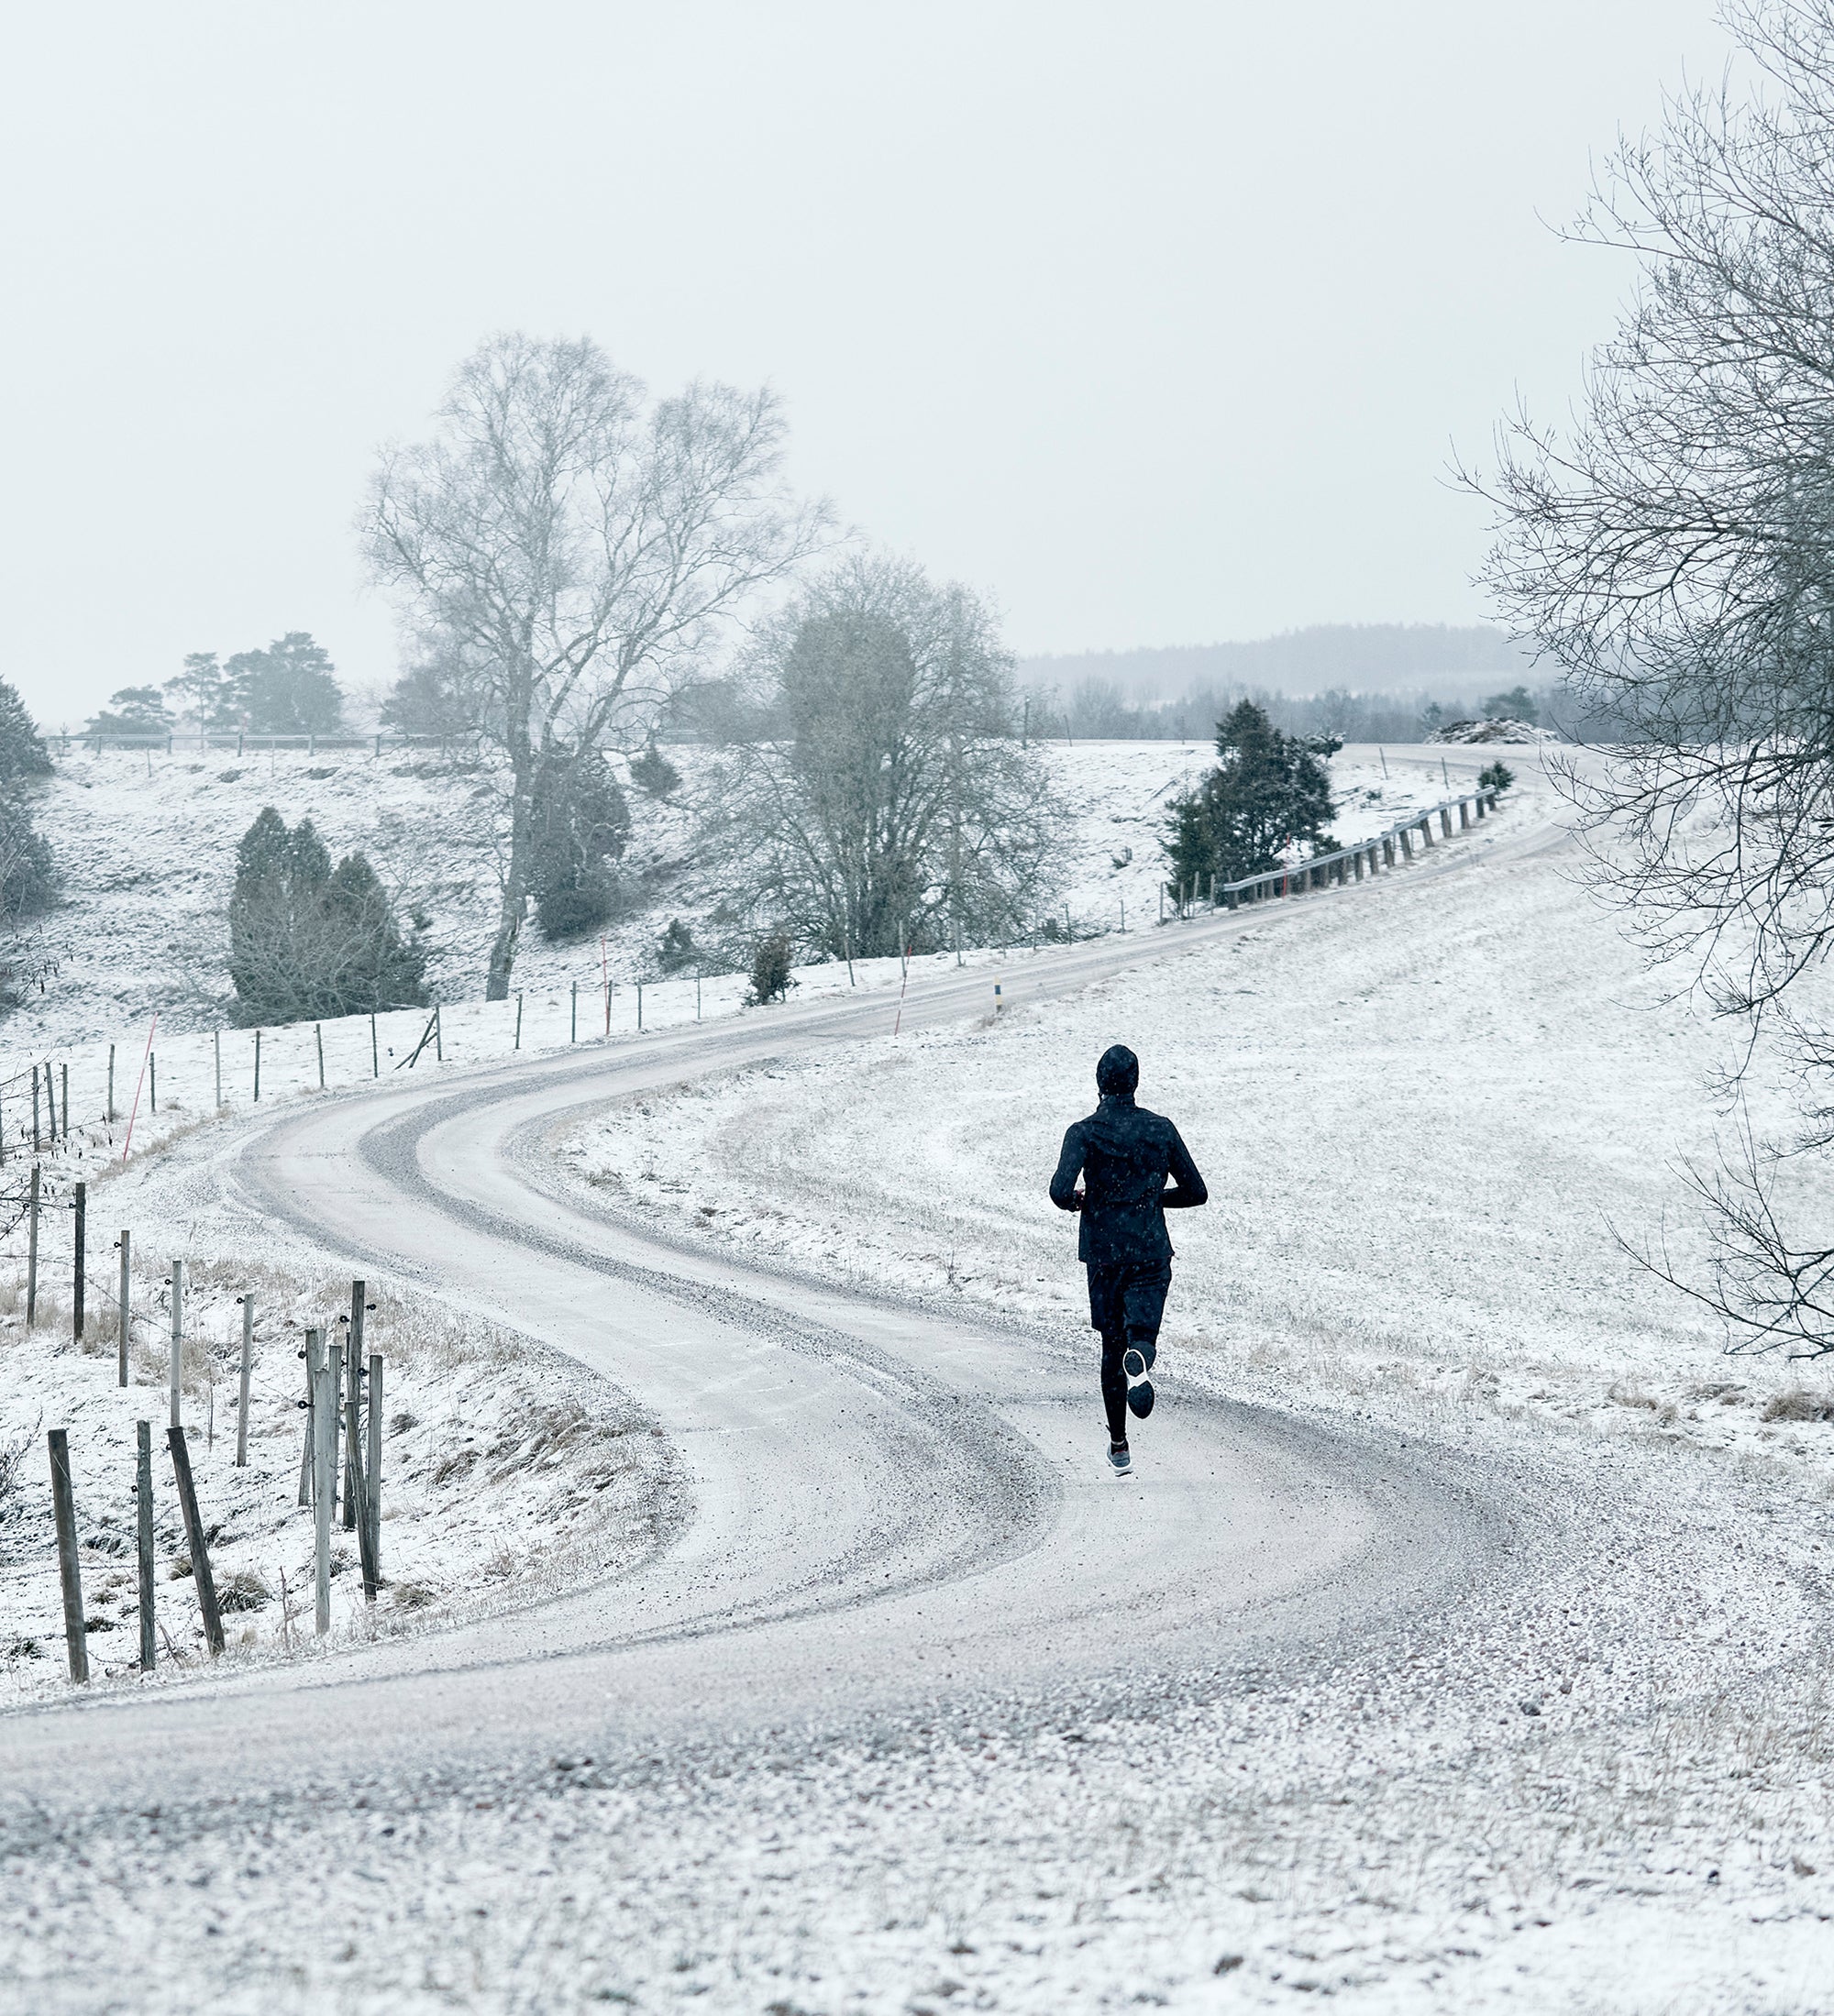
<point x="147" y="845"/>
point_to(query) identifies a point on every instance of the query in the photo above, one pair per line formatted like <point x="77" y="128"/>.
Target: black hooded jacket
<point x="1124" y="1154"/>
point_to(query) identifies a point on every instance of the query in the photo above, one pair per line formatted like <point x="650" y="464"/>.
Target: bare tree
<point x="568" y="549"/>
<point x="889" y="789"/>
<point x="1673" y="551"/>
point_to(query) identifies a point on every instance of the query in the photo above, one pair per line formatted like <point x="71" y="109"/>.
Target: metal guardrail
<point x="1350" y="863"/>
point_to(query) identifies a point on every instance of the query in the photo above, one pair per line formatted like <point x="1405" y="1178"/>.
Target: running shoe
<point x="1140" y="1399"/>
<point x="1119" y="1459"/>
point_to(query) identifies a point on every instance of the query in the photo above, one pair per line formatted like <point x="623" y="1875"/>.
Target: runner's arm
<point x="1187" y="1187"/>
<point x="1064" y="1192"/>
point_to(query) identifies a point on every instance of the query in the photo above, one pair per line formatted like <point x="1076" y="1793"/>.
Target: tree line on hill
<point x="290" y="688"/>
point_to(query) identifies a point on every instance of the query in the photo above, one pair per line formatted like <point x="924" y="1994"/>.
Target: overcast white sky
<point x="1158" y="323"/>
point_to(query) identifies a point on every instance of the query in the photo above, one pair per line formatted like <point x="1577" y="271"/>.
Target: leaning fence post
<point x="318" y="1037"/>
<point x="193" y="1533"/>
<point x="78" y="1246"/>
<point x="248" y="1303"/>
<point x="123" y="1298"/>
<point x="32" y="1250"/>
<point x="175" y="1357"/>
<point x="372" y="1497"/>
<point x="70" y="1572"/>
<point x="325" y="1464"/>
<point x="143" y="1491"/>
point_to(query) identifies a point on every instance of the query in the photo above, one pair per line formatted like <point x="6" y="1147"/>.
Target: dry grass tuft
<point x="1800" y="1405"/>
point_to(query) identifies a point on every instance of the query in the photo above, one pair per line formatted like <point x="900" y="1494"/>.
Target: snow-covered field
<point x="147" y="846"/>
<point x="509" y="1472"/>
<point x="1422" y="1112"/>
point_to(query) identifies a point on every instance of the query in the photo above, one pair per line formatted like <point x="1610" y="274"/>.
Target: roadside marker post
<point x="175" y="1357"/>
<point x="32" y="1250"/>
<point x="247" y="1302"/>
<point x="79" y="1245"/>
<point x="143" y="1522"/>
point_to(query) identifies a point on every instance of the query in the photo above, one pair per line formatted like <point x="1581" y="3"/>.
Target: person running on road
<point x="1124" y="1154"/>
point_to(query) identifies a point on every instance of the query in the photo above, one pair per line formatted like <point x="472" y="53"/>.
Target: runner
<point x="1124" y="1154"/>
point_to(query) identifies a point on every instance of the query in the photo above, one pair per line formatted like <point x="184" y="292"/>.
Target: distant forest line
<point x="1361" y="682"/>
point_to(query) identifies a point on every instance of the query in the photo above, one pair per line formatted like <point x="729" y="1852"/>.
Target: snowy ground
<point x="1422" y="1110"/>
<point x="147" y="845"/>
<point x="509" y="1472"/>
<point x="1603" y="1783"/>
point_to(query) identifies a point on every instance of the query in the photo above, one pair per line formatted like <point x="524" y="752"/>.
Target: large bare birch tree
<point x="570" y="549"/>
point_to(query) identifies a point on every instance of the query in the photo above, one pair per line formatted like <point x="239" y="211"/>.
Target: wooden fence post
<point x="247" y="1302"/>
<point x="258" y="1067"/>
<point x="572" y="1033"/>
<point x="1464" y="813"/>
<point x="111" y="1085"/>
<point x="353" y="1381"/>
<point x="373" y="1495"/>
<point x="175" y="1357"/>
<point x="124" y="1296"/>
<point x="438" y="1037"/>
<point x="32" y="1247"/>
<point x="63" y="1074"/>
<point x="37" y="1145"/>
<point x="143" y="1491"/>
<point x="1445" y="821"/>
<point x="1426" y="830"/>
<point x="1387" y="849"/>
<point x="518" y="1033"/>
<point x="318" y="1037"/>
<point x="1407" y="845"/>
<point x="80" y="1209"/>
<point x="307" y="1476"/>
<point x="153" y="1078"/>
<point x="70" y="1570"/>
<point x="324" y="1480"/>
<point x="193" y="1533"/>
<point x="375" y="1050"/>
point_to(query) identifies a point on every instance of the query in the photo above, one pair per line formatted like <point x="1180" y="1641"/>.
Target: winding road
<point x="891" y="1508"/>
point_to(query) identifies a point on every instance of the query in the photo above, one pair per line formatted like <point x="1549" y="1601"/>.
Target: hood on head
<point x="1118" y="1074"/>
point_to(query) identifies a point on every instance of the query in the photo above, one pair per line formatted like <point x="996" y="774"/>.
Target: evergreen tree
<point x="581" y="823"/>
<point x="306" y="941"/>
<point x="22" y="750"/>
<point x="28" y="879"/>
<point x="287" y="689"/>
<point x="1268" y="790"/>
<point x="133" y="710"/>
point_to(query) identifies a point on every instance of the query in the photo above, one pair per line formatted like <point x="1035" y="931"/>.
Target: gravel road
<point x="900" y="1524"/>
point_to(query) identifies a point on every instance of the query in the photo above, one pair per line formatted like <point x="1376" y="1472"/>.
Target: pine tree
<point x="306" y="941"/>
<point x="1268" y="791"/>
<point x="22" y="750"/>
<point x="581" y="823"/>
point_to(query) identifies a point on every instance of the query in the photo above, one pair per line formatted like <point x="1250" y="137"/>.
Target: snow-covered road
<point x="896" y="1519"/>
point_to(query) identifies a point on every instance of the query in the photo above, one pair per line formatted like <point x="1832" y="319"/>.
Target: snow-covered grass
<point x="147" y="846"/>
<point x="509" y="1471"/>
<point x="1426" y="1113"/>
